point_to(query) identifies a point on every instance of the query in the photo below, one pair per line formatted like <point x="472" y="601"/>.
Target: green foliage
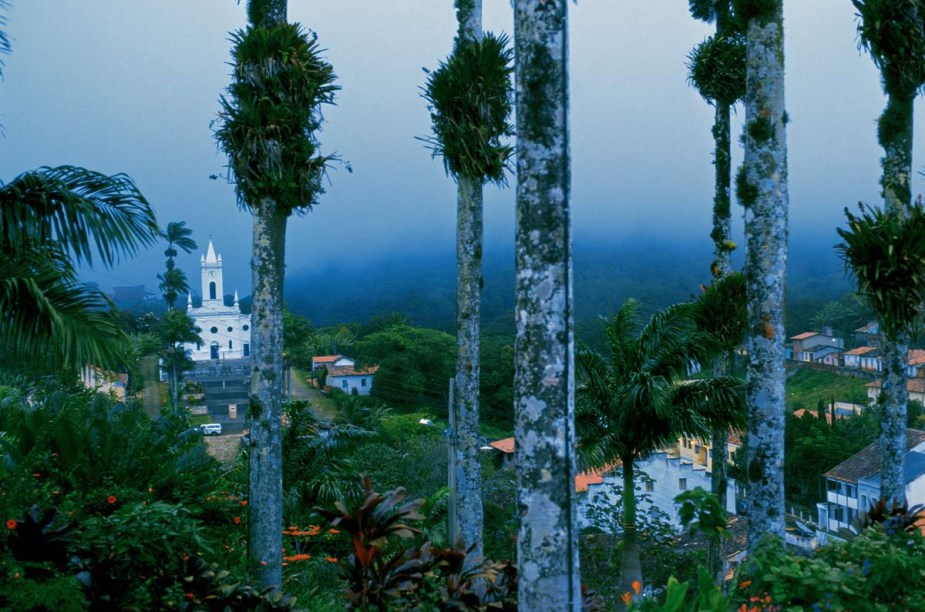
<point x="414" y="364"/>
<point x="761" y="11"/>
<point x="51" y="221"/>
<point x="269" y="121"/>
<point x="877" y="570"/>
<point x="470" y="100"/>
<point x="631" y="402"/>
<point x="760" y="130"/>
<point x="886" y="252"/>
<point x="720" y="310"/>
<point x="745" y="190"/>
<point x="173" y="280"/>
<point x="716" y="67"/>
<point x="701" y="510"/>
<point x="893" y="31"/>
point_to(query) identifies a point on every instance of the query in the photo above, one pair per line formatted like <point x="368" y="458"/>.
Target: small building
<point x="915" y="387"/>
<point x="350" y="379"/>
<point x="868" y="335"/>
<point x="103" y="381"/>
<point x="863" y="358"/>
<point x="330" y="361"/>
<point x="853" y="485"/>
<point x="805" y="342"/>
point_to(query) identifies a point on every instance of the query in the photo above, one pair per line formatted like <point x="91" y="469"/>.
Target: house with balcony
<point x="806" y="344"/>
<point x="853" y="485"/>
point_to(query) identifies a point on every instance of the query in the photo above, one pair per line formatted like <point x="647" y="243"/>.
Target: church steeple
<point x="211" y="270"/>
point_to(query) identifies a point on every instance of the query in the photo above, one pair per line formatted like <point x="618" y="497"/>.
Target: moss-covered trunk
<point x="466" y="400"/>
<point x="544" y="362"/>
<point x="465" y="437"/>
<point x="763" y="189"/>
<point x="265" y="495"/>
<point x="895" y="133"/>
<point x="722" y="216"/>
<point x="719" y="479"/>
<point x="631" y="567"/>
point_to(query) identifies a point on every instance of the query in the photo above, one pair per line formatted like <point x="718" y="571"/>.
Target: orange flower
<point x="237" y="520"/>
<point x="332" y="530"/>
<point x="627" y="598"/>
<point x="111" y="500"/>
<point x="331" y="559"/>
<point x="243" y="502"/>
<point x="56" y="492"/>
<point x="745" y="584"/>
<point x="16" y="575"/>
<point x="637" y="586"/>
<point x="11" y="524"/>
<point x="37" y="474"/>
<point x="302" y="557"/>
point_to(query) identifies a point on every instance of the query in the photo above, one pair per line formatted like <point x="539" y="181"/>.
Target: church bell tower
<point x="211" y="270"/>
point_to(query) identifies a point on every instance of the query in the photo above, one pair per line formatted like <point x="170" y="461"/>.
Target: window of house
<point x="650" y="486"/>
<point x="682" y="484"/>
<point x="362" y="382"/>
<point x="343" y="383"/>
<point x="864" y="505"/>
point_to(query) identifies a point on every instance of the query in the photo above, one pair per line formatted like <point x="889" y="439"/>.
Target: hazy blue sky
<point x="131" y="86"/>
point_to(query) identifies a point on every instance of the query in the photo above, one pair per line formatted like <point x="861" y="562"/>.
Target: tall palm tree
<point x="893" y="31"/>
<point x="176" y="329"/>
<point x="268" y="129"/>
<point x="635" y="400"/>
<point x="886" y="251"/>
<point x="762" y="189"/>
<point x="544" y="354"/>
<point x="173" y="281"/>
<point x="51" y="221"/>
<point x="469" y="97"/>
<point x="717" y="69"/>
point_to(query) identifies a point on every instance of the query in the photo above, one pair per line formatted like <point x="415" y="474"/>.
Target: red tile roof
<point x="804" y="336"/>
<point x="861" y="350"/>
<point x="505" y="445"/>
<point x="802" y="412"/>
<point x="913" y="385"/>
<point x="351" y="371"/>
<point x="326" y="358"/>
<point x="916" y="357"/>
<point x="866" y="463"/>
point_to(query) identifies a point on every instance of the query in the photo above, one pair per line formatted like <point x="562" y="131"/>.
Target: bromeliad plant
<point x="470" y="100"/>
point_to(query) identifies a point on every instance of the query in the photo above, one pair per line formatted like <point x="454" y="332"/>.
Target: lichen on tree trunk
<point x="765" y="172"/>
<point x="896" y="126"/>
<point x="265" y="492"/>
<point x="544" y="370"/>
<point x="465" y="438"/>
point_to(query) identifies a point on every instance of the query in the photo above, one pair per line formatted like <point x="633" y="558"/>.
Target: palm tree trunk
<point x="765" y="182"/>
<point x="893" y="420"/>
<point x="265" y="458"/>
<point x="722" y="215"/>
<point x="631" y="567"/>
<point x="719" y="479"/>
<point x="466" y="402"/>
<point x="175" y="383"/>
<point x="544" y="362"/>
<point x="896" y="139"/>
<point x="469" y="232"/>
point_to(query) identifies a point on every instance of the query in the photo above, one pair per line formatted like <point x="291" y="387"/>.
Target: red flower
<point x="111" y="500"/>
<point x="331" y="559"/>
<point x="190" y="596"/>
<point x="244" y="502"/>
<point x="237" y="520"/>
<point x="37" y="474"/>
<point x="11" y="524"/>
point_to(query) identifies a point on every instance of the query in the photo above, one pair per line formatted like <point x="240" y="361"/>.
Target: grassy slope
<point x="806" y="387"/>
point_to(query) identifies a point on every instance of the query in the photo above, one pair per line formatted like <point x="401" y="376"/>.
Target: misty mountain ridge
<point x="655" y="272"/>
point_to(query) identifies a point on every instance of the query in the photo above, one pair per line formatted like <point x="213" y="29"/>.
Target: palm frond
<point x="83" y="211"/>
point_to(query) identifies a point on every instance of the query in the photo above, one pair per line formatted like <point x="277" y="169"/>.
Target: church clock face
<point x="211" y="274"/>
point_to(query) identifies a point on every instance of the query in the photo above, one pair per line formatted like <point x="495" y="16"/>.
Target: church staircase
<point x="225" y="386"/>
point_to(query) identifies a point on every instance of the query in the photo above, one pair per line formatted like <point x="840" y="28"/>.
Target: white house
<point x="915" y="388"/>
<point x="225" y="333"/>
<point x="854" y="484"/>
<point x="351" y="380"/>
<point x="862" y="358"/>
<point x="329" y="361"/>
<point x="660" y="477"/>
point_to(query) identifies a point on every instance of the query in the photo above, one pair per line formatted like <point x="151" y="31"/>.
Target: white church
<point x="225" y="333"/>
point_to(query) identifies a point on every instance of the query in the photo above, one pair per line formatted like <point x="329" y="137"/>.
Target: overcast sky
<point x="132" y="85"/>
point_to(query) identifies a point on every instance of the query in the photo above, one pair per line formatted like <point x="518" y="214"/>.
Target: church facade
<point x="224" y="333"/>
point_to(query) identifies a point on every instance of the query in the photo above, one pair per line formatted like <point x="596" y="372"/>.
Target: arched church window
<point x="212" y="290"/>
<point x="229" y="344"/>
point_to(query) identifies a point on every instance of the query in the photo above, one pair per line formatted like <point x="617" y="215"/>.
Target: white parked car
<point x="211" y="429"/>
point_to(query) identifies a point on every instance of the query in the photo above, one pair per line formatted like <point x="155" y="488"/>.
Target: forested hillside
<point x="655" y="273"/>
